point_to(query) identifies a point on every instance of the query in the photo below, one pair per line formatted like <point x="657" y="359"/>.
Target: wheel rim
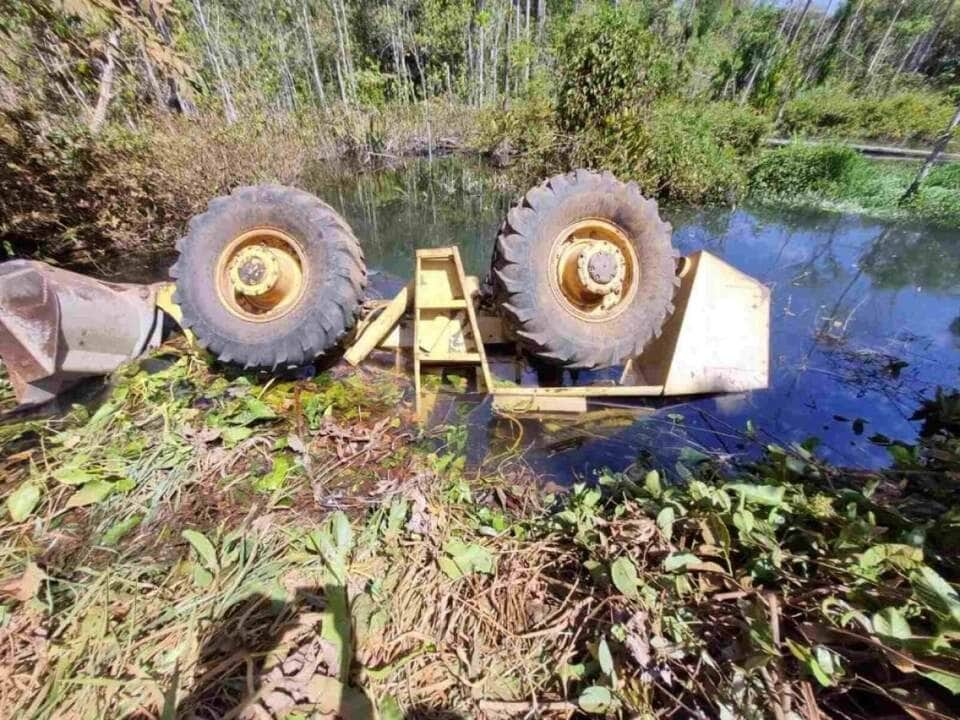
<point x="595" y="271"/>
<point x="261" y="275"/>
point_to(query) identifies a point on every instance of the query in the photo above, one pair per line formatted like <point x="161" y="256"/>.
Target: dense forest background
<point x="118" y="117"/>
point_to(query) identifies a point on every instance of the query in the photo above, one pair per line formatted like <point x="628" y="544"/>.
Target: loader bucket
<point x="718" y="338"/>
<point x="57" y="327"/>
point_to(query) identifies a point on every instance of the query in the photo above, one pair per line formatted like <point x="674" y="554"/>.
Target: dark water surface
<point x="865" y="320"/>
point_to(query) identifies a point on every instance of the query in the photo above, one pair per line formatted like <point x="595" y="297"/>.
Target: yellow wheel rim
<point x="261" y="275"/>
<point x="595" y="271"/>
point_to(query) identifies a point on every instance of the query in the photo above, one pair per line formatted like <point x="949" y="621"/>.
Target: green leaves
<point x="665" y="520"/>
<point x="74" y="473"/>
<point x="460" y="559"/>
<point x="595" y="700"/>
<point x="22" y="501"/>
<point x="90" y="494"/>
<point x="389" y="708"/>
<point x="652" y="484"/>
<point x="769" y="495"/>
<point x="890" y="555"/>
<point x="334" y="541"/>
<point x="605" y="658"/>
<point x="204" y="549"/>
<point x="118" y="530"/>
<point x="624" y="575"/>
<point x="890" y="622"/>
<point x="822" y="662"/>
<point x="252" y="410"/>
<point x="679" y="561"/>
<point x="275" y="479"/>
<point x="937" y="595"/>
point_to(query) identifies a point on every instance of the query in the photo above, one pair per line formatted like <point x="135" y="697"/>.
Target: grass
<point x="205" y="545"/>
<point x="916" y="116"/>
<point x="838" y="178"/>
<point x="81" y="200"/>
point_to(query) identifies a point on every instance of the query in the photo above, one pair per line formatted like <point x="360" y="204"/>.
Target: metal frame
<point x="716" y="340"/>
<point x="57" y="327"/>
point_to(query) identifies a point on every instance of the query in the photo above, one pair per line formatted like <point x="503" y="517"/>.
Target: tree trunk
<point x="229" y="110"/>
<point x="526" y="36"/>
<point x="938" y="147"/>
<point x="156" y="91"/>
<point x="105" y="93"/>
<point x="881" y="48"/>
<point x="345" y="67"/>
<point x="541" y="20"/>
<point x="748" y="89"/>
<point x="317" y="82"/>
<point x="480" y="53"/>
<point x="903" y="60"/>
<point x="854" y="22"/>
<point x="932" y="37"/>
<point x="798" y="26"/>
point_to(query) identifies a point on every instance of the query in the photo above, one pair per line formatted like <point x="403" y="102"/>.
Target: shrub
<point x="731" y="124"/>
<point x="911" y="115"/>
<point x="76" y="198"/>
<point x="526" y="132"/>
<point x="800" y="168"/>
<point x="79" y="199"/>
<point x="937" y="202"/>
<point x="609" y="59"/>
<point x="692" y="152"/>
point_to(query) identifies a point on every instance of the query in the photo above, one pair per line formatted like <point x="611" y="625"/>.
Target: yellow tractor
<point x="583" y="276"/>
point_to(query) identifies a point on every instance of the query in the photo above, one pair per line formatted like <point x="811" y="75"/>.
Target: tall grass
<point x="906" y="116"/>
<point x="79" y="199"/>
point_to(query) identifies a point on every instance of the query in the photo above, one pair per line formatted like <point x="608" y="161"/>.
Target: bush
<point x="79" y="199"/>
<point x="82" y="199"/>
<point x="609" y="60"/>
<point x="937" y="202"/>
<point x="944" y="176"/>
<point x="691" y="152"/>
<point x="800" y="168"/>
<point x="831" y="110"/>
<point x="734" y="125"/>
<point x="526" y="132"/>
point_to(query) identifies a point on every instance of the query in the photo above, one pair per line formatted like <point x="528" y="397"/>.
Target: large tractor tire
<point x="269" y="276"/>
<point x="584" y="271"/>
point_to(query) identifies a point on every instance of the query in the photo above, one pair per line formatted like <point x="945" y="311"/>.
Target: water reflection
<point x="422" y="204"/>
<point x="864" y="322"/>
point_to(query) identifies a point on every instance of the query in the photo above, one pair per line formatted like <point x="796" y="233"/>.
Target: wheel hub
<point x="261" y="275"/>
<point x="600" y="268"/>
<point x="596" y="269"/>
<point x="254" y="271"/>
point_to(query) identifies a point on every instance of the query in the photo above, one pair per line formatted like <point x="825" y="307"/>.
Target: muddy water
<point x="865" y="321"/>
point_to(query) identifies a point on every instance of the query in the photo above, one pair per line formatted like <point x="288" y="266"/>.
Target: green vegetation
<point x="105" y="102"/>
<point x="182" y="548"/>
<point x="906" y="116"/>
<point x="838" y="177"/>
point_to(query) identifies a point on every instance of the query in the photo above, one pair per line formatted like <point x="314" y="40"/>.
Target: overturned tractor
<point x="583" y="276"/>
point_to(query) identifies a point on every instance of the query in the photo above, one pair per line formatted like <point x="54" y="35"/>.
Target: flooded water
<point x="865" y="320"/>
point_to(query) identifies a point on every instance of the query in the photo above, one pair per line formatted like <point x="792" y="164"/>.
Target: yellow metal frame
<point x="716" y="340"/>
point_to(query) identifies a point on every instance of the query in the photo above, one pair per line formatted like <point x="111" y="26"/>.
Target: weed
<point x="837" y="177"/>
<point x="466" y="591"/>
<point x="835" y="111"/>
